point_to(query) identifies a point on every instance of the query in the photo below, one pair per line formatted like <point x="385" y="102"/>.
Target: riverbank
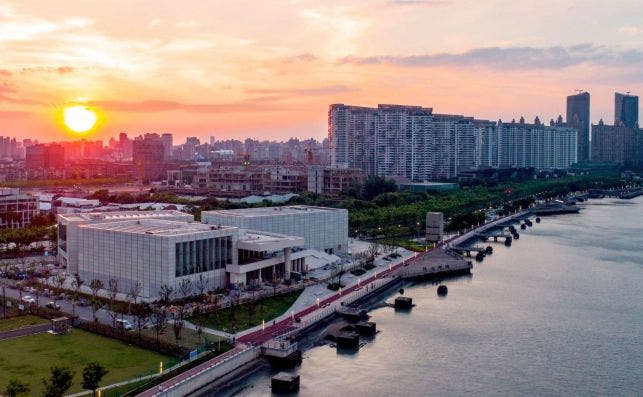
<point x="557" y="313"/>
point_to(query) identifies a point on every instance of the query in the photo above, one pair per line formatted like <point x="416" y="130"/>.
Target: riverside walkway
<point x="247" y="346"/>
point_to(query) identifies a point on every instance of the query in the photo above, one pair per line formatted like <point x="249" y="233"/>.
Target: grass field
<point x="189" y="337"/>
<point x="8" y="324"/>
<point x="246" y="316"/>
<point x="29" y="358"/>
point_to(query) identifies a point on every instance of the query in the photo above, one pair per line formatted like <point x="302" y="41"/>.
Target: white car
<point x="28" y="299"/>
<point x="124" y="324"/>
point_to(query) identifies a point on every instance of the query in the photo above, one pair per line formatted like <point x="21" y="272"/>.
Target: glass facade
<point x="200" y="256"/>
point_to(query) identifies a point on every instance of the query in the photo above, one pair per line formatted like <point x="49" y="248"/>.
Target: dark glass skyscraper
<point x="626" y="110"/>
<point x="578" y="117"/>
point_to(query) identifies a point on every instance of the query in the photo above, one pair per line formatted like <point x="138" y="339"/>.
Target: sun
<point x="79" y="118"/>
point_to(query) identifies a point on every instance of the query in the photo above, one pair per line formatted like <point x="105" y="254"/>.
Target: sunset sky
<point x="269" y="69"/>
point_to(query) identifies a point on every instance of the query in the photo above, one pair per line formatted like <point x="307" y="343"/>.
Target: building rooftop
<point x="263" y="241"/>
<point x="117" y="215"/>
<point x="155" y="227"/>
<point x="272" y="211"/>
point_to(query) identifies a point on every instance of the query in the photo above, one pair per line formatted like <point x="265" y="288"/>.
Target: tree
<point x="159" y="316"/>
<point x="59" y="281"/>
<point x="92" y="375"/>
<point x="165" y="292"/>
<point x="3" y="285"/>
<point x="375" y="185"/>
<point x="113" y="291"/>
<point x="185" y="288"/>
<point x="201" y="284"/>
<point x="76" y="284"/>
<point x="59" y="381"/>
<point x="142" y="313"/>
<point x="132" y="295"/>
<point x="16" y="388"/>
<point x="95" y="286"/>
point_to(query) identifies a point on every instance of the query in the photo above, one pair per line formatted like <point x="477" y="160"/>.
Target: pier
<point x="495" y="235"/>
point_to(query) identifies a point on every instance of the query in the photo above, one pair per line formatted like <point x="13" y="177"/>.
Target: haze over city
<point x="269" y="70"/>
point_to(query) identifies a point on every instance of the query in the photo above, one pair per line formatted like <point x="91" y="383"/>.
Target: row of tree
<point x="60" y="380"/>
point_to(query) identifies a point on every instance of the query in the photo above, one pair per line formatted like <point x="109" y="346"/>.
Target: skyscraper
<point x="626" y="110"/>
<point x="578" y="118"/>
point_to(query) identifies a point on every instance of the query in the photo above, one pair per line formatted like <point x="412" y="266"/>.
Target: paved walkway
<point x="36" y="329"/>
<point x="190" y="372"/>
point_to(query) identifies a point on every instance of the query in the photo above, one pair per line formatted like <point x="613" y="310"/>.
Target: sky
<point x="269" y="69"/>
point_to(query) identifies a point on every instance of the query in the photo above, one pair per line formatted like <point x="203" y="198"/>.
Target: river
<point x="560" y="312"/>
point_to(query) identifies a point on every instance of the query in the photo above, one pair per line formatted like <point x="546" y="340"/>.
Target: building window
<point x="193" y="257"/>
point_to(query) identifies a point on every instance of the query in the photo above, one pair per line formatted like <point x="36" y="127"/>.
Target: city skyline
<point x="197" y="71"/>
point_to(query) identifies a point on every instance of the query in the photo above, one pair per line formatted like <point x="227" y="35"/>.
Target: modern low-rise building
<point x="332" y="181"/>
<point x="69" y="234"/>
<point x="154" y="252"/>
<point x="17" y="209"/>
<point x="323" y="229"/>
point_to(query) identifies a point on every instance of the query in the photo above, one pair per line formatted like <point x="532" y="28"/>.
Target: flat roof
<point x="117" y="215"/>
<point x="272" y="211"/>
<point x="264" y="241"/>
<point x="155" y="227"/>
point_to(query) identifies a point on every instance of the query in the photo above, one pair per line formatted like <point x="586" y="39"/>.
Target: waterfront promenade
<point x="248" y="345"/>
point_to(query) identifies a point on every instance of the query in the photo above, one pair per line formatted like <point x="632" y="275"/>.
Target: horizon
<point x="269" y="71"/>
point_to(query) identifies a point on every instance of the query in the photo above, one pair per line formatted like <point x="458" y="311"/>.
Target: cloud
<point x="314" y="91"/>
<point x="7" y="94"/>
<point x="305" y="57"/>
<point x="507" y="58"/>
<point x="630" y="30"/>
<point x="165" y="106"/>
<point x="429" y="3"/>
<point x="49" y="69"/>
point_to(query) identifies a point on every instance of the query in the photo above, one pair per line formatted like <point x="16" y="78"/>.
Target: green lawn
<point x="189" y="337"/>
<point x="246" y="316"/>
<point x="29" y="358"/>
<point x="8" y="324"/>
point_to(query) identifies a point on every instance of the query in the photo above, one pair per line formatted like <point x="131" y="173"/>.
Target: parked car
<point x="28" y="299"/>
<point x="124" y="324"/>
<point x="52" y="305"/>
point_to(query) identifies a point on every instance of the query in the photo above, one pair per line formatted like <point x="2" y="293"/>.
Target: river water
<point x="560" y="312"/>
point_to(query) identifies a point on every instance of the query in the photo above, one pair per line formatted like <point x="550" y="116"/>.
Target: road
<point x="83" y="312"/>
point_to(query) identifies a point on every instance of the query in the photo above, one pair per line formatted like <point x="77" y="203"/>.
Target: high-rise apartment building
<point x="402" y="141"/>
<point x="351" y="136"/>
<point x="536" y="145"/>
<point x="486" y="144"/>
<point x="616" y="143"/>
<point x="578" y="118"/>
<point x="626" y="110"/>
<point x="148" y="158"/>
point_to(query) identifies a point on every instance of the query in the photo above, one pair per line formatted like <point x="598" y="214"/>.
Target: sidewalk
<point x="15" y="333"/>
